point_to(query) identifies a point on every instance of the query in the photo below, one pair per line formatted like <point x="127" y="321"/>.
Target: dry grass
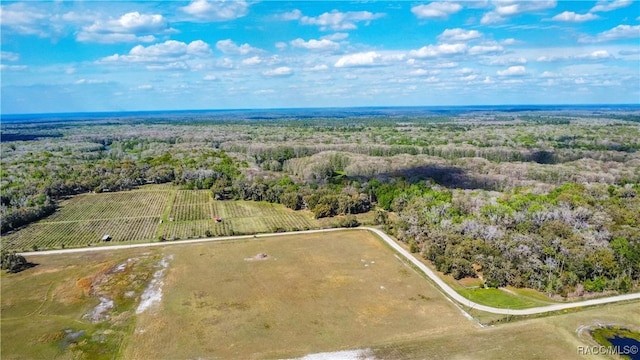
<point x="314" y="293"/>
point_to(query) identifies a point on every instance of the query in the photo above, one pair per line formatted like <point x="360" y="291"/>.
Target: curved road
<point x="444" y="287"/>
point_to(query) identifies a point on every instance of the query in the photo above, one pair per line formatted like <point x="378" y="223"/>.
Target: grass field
<point x="313" y="293"/>
<point x="44" y="307"/>
<point x="151" y="212"/>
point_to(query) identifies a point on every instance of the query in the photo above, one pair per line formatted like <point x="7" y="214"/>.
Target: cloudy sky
<point x="81" y="56"/>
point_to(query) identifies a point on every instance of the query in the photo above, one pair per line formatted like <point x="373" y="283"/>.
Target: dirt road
<point x="446" y="289"/>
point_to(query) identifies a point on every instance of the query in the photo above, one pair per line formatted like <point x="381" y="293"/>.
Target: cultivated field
<point x="312" y="293"/>
<point x="150" y="213"/>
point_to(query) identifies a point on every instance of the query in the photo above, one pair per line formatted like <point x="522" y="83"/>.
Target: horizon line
<point x="80" y="113"/>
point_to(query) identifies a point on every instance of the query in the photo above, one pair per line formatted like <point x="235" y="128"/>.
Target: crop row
<point x="239" y="209"/>
<point x="195" y="229"/>
<point x="190" y="212"/>
<point x="111" y="206"/>
<point x="191" y="197"/>
<point x="75" y="234"/>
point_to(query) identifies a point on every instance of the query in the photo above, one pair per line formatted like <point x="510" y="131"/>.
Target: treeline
<point x="27" y="201"/>
<point x="574" y="239"/>
<point x="323" y="200"/>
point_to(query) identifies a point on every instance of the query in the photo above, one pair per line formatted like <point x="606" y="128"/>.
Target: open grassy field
<point x="312" y="293"/>
<point x="149" y="213"/>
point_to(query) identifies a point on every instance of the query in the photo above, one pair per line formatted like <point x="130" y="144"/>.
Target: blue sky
<point x="65" y="56"/>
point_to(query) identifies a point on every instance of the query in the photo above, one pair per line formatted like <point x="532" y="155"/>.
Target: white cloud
<point x="336" y="20"/>
<point x="145" y="87"/>
<point x="469" y="77"/>
<point x="465" y="71"/>
<point x="113" y="38"/>
<point x="130" y="27"/>
<point x="336" y="36"/>
<point x="254" y="60"/>
<point x="370" y="58"/>
<point x="216" y="10"/>
<point x="618" y="32"/>
<point x="446" y="65"/>
<point x="175" y="65"/>
<point x="89" y="81"/>
<point x="438" y="10"/>
<point x="315" y="45"/>
<point x="457" y="34"/>
<point x="423" y="72"/>
<point x="229" y="47"/>
<point x="595" y="55"/>
<point x="508" y="61"/>
<point x="264" y="91"/>
<point x="438" y="50"/>
<point x="509" y="41"/>
<point x="604" y="6"/>
<point x="23" y="19"/>
<point x="485" y="49"/>
<point x="281" y="71"/>
<point x="281" y="45"/>
<point x="9" y="56"/>
<point x="168" y="51"/>
<point x="5" y="67"/>
<point x="320" y="67"/>
<point x="291" y="15"/>
<point x="210" y="77"/>
<point x="506" y="8"/>
<point x="513" y="71"/>
<point x="570" y="16"/>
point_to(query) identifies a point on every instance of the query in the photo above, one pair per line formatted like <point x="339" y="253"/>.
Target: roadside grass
<point x="550" y="337"/>
<point x="498" y="298"/>
<point x="43" y="307"/>
<point x="313" y="293"/>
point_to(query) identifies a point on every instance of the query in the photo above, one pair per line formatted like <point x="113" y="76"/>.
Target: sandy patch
<point x="362" y="354"/>
<point x="101" y="311"/>
<point x="152" y="295"/>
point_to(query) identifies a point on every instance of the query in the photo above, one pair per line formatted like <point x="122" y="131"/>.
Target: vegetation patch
<point x="73" y="306"/>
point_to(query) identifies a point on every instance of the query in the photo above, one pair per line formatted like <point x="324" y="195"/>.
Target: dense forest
<point x="531" y="199"/>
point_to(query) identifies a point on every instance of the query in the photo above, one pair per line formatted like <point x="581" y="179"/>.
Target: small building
<point x="106" y="238"/>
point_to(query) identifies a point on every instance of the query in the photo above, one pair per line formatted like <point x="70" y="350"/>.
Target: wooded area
<point x="533" y="199"/>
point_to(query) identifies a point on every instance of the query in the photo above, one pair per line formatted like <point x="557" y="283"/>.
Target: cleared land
<point x="144" y="215"/>
<point x="313" y="293"/>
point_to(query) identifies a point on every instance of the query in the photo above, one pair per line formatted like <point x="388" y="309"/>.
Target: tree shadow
<point x="444" y="175"/>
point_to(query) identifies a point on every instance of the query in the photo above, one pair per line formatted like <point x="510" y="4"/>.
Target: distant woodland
<point x="548" y="201"/>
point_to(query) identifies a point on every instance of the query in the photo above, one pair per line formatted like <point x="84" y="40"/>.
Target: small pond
<point x="625" y="342"/>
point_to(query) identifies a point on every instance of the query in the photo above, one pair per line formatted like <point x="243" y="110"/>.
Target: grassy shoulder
<point x="509" y="297"/>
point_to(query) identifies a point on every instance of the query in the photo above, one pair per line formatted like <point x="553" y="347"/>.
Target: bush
<point x="13" y="262"/>
<point x="349" y="221"/>
<point x="322" y="210"/>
